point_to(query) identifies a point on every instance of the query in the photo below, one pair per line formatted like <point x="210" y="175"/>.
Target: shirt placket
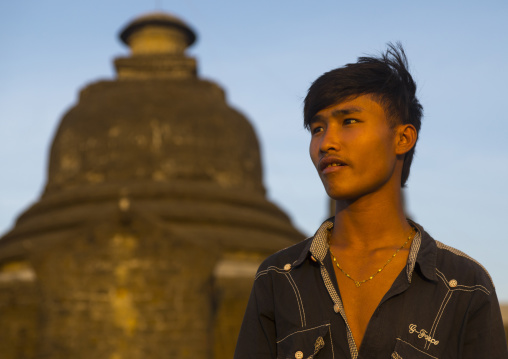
<point x="339" y="309"/>
<point x="319" y="250"/>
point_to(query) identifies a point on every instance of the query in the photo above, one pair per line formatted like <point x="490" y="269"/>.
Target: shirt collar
<point x="424" y="253"/>
<point x="317" y="246"/>
<point x="423" y="250"/>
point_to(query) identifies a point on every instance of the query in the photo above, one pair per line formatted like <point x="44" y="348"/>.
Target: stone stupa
<point x="146" y="239"/>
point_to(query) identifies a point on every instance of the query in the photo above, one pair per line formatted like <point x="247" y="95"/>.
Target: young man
<point x="370" y="283"/>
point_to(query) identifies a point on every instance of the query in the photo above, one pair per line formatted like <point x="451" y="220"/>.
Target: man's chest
<point x="412" y="320"/>
<point x="360" y="299"/>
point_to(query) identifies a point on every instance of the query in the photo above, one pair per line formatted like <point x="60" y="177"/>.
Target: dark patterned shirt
<point x="443" y="305"/>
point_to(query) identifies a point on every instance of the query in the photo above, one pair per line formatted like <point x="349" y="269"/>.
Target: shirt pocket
<point x="304" y="343"/>
<point x="404" y="350"/>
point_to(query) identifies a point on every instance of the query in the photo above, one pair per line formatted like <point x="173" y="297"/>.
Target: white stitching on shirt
<point x="293" y="285"/>
<point x="301" y="331"/>
<point x="417" y="348"/>
<point x="461" y="287"/>
<point x="440" y="312"/>
<point x="296" y="295"/>
<point x="447" y="298"/>
<point x="298" y="299"/>
<point x="464" y="255"/>
<point x="271" y="268"/>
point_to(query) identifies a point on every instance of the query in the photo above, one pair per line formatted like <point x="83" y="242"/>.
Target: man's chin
<point x="341" y="194"/>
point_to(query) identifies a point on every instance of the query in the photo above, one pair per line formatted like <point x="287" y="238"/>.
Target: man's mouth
<point x="334" y="165"/>
<point x="330" y="162"/>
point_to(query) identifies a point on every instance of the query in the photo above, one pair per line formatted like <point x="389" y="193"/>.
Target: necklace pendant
<point x="357" y="284"/>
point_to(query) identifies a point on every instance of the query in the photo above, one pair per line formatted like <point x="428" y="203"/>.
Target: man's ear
<point x="405" y="138"/>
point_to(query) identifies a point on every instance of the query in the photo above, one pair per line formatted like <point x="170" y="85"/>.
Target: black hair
<point x="386" y="78"/>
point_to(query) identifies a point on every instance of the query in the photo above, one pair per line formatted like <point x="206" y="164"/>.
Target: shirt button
<point x="336" y="308"/>
<point x="298" y="355"/>
<point x="287" y="267"/>
<point x="452" y="283"/>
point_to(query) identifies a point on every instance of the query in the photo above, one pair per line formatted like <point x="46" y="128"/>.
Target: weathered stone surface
<point x="19" y="310"/>
<point x="153" y="221"/>
<point x="126" y="293"/>
<point x="154" y="130"/>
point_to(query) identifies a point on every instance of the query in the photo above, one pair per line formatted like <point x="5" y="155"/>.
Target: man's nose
<point x="330" y="141"/>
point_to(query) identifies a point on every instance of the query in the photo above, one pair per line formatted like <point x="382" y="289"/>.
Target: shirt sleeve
<point x="257" y="339"/>
<point x="485" y="336"/>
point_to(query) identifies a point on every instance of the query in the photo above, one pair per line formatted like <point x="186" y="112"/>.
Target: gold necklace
<point x="359" y="283"/>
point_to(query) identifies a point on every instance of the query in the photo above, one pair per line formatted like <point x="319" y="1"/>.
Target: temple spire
<point x="158" y="42"/>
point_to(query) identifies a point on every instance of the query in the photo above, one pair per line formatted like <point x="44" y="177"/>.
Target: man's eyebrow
<point x="315" y="118"/>
<point x="337" y="113"/>
<point x="346" y="111"/>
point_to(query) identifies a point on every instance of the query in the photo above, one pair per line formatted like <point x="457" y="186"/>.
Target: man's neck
<point x="372" y="222"/>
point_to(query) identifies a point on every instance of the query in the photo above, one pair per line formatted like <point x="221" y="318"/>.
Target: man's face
<point x="353" y="148"/>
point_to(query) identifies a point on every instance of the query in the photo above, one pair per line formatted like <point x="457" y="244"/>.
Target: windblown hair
<point x="386" y="78"/>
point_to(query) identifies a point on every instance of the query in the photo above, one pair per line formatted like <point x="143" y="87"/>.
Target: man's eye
<point x="349" y="121"/>
<point x="317" y="129"/>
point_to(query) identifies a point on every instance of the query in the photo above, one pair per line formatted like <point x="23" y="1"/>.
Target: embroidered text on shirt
<point x="422" y="333"/>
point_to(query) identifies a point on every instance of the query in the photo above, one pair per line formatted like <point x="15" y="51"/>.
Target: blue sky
<point x="265" y="54"/>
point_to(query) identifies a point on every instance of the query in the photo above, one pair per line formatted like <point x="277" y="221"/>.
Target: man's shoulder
<point x="460" y="270"/>
<point x="287" y="256"/>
